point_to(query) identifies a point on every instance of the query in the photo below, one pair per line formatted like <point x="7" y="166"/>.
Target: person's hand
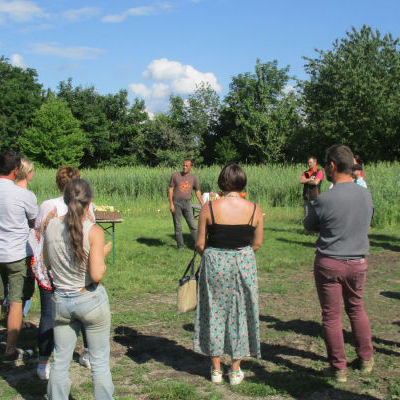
<point x="107" y="248"/>
<point x="172" y="208"/>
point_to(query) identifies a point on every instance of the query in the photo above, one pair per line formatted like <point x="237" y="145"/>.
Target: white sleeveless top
<point x="69" y="275"/>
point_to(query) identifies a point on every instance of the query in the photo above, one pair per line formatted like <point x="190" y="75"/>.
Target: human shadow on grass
<point x="305" y="244"/>
<point x="314" y="329"/>
<point x="299" y="231"/>
<point x="391" y="295"/>
<point x="22" y="378"/>
<point x="187" y="240"/>
<point x="143" y="348"/>
<point x="151" y="242"/>
<point x="298" y="383"/>
<point x="385" y="245"/>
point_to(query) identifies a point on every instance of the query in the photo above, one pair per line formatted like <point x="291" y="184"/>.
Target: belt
<point x="90" y="287"/>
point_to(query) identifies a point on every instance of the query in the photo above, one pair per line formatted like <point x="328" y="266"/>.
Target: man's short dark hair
<point x="232" y="178"/>
<point x="342" y="156"/>
<point x="9" y="160"/>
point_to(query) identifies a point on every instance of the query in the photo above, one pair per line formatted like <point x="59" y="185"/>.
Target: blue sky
<point x="155" y="48"/>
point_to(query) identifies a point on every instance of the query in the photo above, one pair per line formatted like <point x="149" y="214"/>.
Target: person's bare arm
<point x="171" y="199"/>
<point x="198" y="195"/>
<point x="97" y="266"/>
<point x="202" y="229"/>
<point x="31" y="223"/>
<point x="258" y="233"/>
<point x="303" y="179"/>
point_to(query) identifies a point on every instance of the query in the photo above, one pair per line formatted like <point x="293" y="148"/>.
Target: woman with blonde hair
<point x="48" y="210"/>
<point x="227" y="320"/>
<point x="25" y="173"/>
<point x="74" y="250"/>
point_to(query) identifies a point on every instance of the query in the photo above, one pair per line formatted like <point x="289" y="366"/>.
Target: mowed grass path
<point x="151" y="344"/>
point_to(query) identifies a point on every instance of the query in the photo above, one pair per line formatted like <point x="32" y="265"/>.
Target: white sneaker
<point x="236" y="377"/>
<point x="84" y="359"/>
<point x="216" y="375"/>
<point x="43" y="371"/>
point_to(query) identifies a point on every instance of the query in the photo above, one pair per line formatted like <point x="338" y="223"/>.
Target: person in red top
<point x="358" y="161"/>
<point x="311" y="179"/>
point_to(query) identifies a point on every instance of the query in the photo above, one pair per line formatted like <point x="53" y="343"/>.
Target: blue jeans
<point x="92" y="310"/>
<point x="46" y="337"/>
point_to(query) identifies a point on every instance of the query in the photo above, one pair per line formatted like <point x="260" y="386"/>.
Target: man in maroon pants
<point x="342" y="217"/>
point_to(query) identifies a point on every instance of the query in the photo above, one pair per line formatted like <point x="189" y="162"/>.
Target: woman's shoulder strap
<point x="211" y="212"/>
<point x="252" y="215"/>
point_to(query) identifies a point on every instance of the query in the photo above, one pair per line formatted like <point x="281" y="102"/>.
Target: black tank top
<point x="224" y="236"/>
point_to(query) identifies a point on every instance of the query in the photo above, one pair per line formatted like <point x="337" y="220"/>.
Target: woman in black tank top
<point x="230" y="230"/>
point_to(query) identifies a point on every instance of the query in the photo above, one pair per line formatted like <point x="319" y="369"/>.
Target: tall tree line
<point x="351" y="96"/>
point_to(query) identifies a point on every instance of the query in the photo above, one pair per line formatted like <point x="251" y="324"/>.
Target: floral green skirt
<point x="227" y="320"/>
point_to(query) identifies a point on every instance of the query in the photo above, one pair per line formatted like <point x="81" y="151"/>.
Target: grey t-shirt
<point x="342" y="216"/>
<point x="69" y="275"/>
<point x="17" y="206"/>
<point x="183" y="185"/>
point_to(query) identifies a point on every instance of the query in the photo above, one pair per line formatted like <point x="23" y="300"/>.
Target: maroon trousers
<point x="337" y="279"/>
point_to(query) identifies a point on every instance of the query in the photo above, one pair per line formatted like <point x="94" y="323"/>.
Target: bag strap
<point x="190" y="266"/>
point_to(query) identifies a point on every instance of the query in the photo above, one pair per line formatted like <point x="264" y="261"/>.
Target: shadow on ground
<point x="391" y="295"/>
<point x="305" y="244"/>
<point x="187" y="239"/>
<point x="150" y="241"/>
<point x="314" y="329"/>
<point x="297" y="381"/>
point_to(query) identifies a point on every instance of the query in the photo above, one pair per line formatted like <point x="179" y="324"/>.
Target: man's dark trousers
<point x="183" y="207"/>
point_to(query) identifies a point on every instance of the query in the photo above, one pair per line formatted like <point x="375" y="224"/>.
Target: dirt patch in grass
<point x="293" y="352"/>
<point x="152" y="357"/>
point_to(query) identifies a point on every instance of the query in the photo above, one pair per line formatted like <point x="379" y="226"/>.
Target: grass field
<point x="151" y="344"/>
<point x="140" y="190"/>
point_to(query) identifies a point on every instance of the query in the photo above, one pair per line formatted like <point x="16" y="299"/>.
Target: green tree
<point x="258" y="114"/>
<point x="126" y="126"/>
<point x="161" y="142"/>
<point x="87" y="106"/>
<point x="203" y="115"/>
<point x="20" y="97"/>
<point x="55" y="137"/>
<point x="353" y="95"/>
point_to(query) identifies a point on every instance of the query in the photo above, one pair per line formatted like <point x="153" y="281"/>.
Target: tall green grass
<point x="141" y="189"/>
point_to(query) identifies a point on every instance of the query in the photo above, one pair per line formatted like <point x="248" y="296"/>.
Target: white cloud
<point x="20" y="10"/>
<point x="144" y="11"/>
<point x="79" y="52"/>
<point x="79" y="14"/>
<point x="170" y="77"/>
<point x="182" y="79"/>
<point x="140" y="90"/>
<point x="18" y="61"/>
<point x="160" y="91"/>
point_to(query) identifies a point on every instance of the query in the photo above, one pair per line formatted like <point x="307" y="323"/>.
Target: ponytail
<point x="77" y="195"/>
